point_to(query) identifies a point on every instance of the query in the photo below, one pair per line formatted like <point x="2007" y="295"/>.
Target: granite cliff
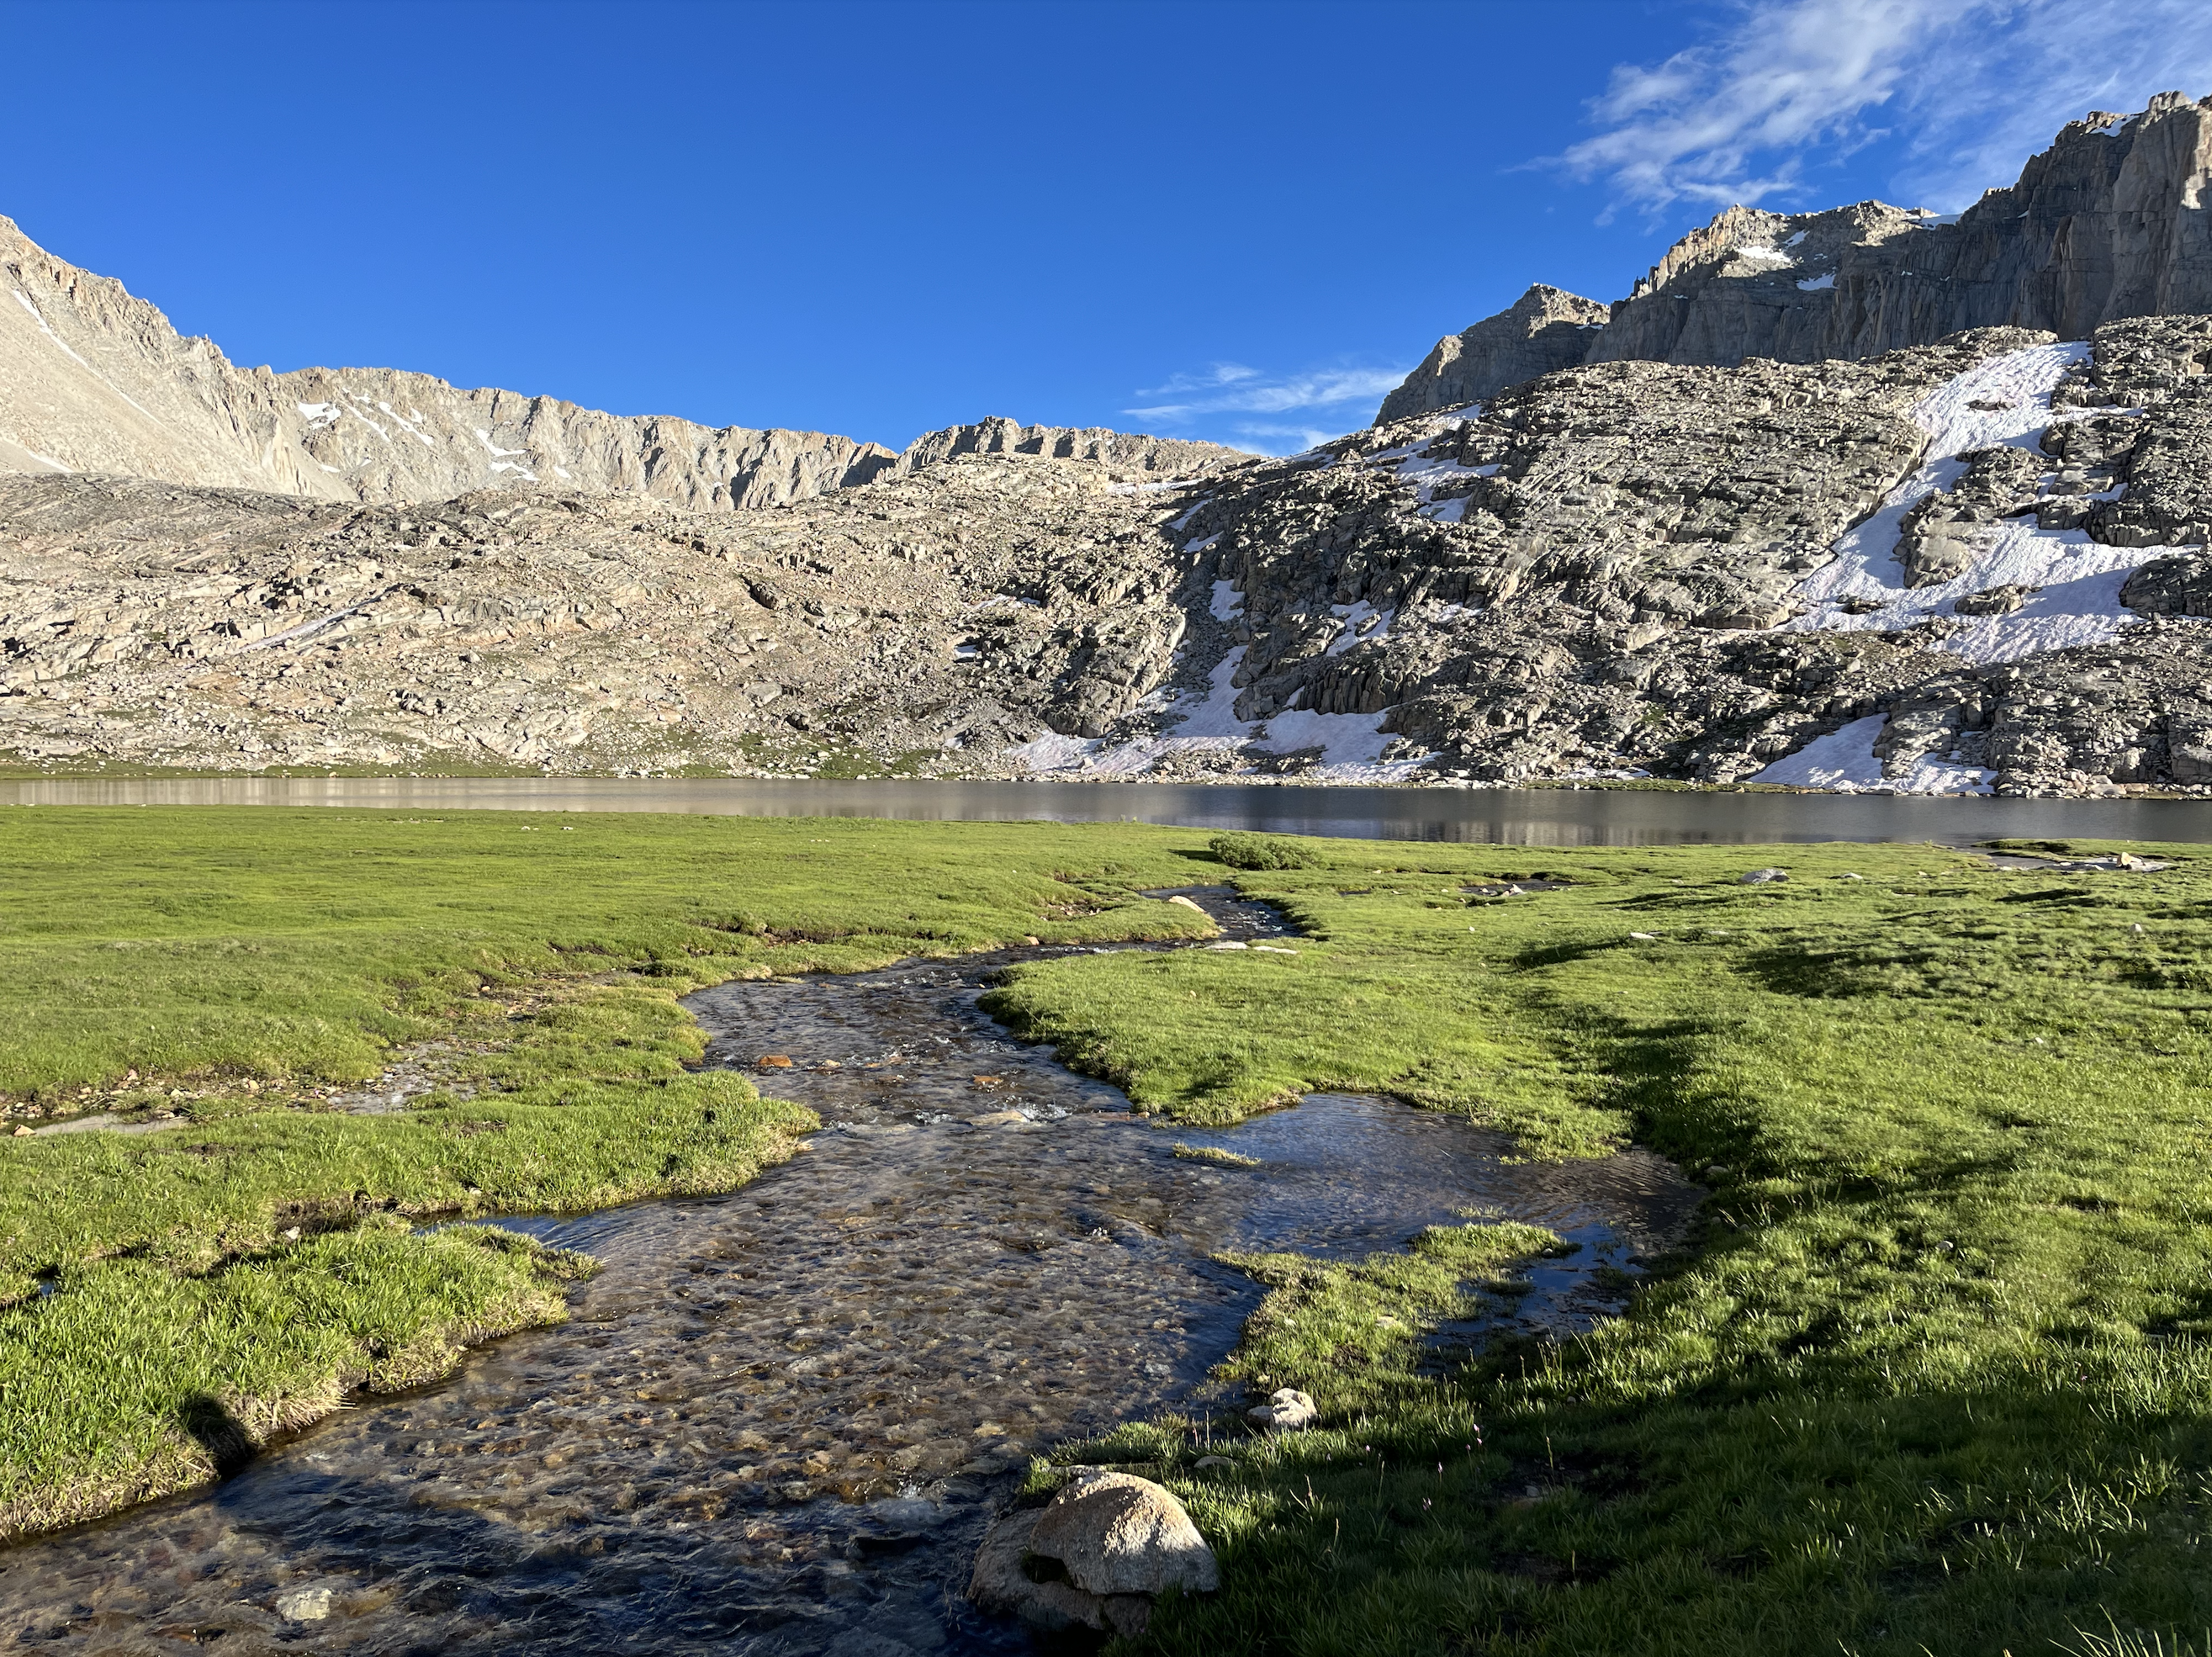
<point x="2106" y="224"/>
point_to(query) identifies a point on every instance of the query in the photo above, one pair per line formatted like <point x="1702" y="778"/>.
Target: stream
<point x="779" y="1420"/>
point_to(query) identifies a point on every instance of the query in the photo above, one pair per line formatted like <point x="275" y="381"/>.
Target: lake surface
<point x="1527" y="816"/>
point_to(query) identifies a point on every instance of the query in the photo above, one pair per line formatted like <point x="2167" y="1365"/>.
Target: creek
<point x="778" y="1420"/>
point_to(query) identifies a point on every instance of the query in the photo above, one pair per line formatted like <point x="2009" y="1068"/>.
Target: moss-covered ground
<point x="1931" y="1376"/>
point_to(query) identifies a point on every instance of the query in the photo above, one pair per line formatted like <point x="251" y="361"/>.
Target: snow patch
<point x="319" y="414"/>
<point x="1053" y="752"/>
<point x="497" y="454"/>
<point x="1815" y="285"/>
<point x="1766" y="258"/>
<point x="1226" y="601"/>
<point x="1446" y="511"/>
<point x="1843" y="761"/>
<point x="2081" y="580"/>
<point x="1350" y="744"/>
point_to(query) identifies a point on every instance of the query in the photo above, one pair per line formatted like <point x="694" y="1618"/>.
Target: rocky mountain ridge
<point x="2104" y="225"/>
<point x="1974" y="563"/>
<point x="1969" y="565"/>
<point x="95" y="380"/>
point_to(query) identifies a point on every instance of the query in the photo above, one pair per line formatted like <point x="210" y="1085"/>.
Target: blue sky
<point x="1235" y="221"/>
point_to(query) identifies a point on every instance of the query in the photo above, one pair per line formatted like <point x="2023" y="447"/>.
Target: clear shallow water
<point x="1531" y="817"/>
<point x="778" y="1421"/>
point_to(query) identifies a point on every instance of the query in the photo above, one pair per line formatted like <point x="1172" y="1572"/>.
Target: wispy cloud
<point x="1972" y="87"/>
<point x="1231" y="388"/>
<point x="1266" y="438"/>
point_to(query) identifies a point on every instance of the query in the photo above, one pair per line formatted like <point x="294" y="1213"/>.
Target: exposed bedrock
<point x="2104" y="225"/>
<point x="1605" y="570"/>
<point x="1545" y="330"/>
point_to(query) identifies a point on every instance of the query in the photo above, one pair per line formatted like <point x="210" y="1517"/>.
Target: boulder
<point x="1116" y="1534"/>
<point x="1094" y="1557"/>
<point x="1764" y="876"/>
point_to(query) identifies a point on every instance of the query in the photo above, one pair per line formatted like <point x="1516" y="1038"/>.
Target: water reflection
<point x="1532" y="817"/>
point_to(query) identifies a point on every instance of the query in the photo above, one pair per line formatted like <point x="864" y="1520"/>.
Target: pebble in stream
<point x="778" y="1421"/>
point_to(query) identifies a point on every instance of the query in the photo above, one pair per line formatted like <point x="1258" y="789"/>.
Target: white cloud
<point x="1251" y="391"/>
<point x="1280" y="439"/>
<point x="1214" y="375"/>
<point x="1974" y="86"/>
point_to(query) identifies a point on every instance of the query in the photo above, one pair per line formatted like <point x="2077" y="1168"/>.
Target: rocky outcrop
<point x="93" y="380"/>
<point x="1123" y="451"/>
<point x="926" y="624"/>
<point x="2104" y="225"/>
<point x="1546" y="329"/>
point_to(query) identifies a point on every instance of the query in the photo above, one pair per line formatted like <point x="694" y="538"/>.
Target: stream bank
<point x="779" y="1420"/>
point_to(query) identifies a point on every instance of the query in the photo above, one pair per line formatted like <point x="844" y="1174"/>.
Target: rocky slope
<point x="1972" y="565"/>
<point x="93" y="380"/>
<point x="2104" y="225"/>
<point x="171" y="625"/>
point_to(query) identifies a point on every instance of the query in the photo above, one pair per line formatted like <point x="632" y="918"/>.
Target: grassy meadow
<point x="1931" y="1374"/>
<point x="170" y="1298"/>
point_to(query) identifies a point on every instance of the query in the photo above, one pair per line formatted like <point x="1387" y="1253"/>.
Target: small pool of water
<point x="779" y="1420"/>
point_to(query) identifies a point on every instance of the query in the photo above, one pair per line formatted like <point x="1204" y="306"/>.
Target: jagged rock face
<point x="1122" y="451"/>
<point x="1545" y="330"/>
<point x="93" y="380"/>
<point x="2102" y="226"/>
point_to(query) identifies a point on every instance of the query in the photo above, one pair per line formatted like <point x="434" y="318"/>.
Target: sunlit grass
<point x="1932" y="1373"/>
<point x="230" y="1275"/>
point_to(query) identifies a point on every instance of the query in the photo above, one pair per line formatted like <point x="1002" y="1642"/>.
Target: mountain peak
<point x="2099" y="227"/>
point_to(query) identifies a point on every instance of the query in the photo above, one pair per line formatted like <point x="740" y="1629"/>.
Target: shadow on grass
<point x="209" y="1421"/>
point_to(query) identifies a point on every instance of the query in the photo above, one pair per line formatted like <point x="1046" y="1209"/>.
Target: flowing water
<point x="778" y="1421"/>
<point x="1522" y="816"/>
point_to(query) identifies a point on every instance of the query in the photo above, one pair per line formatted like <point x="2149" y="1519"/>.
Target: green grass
<point x="249" y="1262"/>
<point x="1933" y="1374"/>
